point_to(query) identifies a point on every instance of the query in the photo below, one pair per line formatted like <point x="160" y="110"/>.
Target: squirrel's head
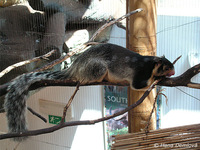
<point x="163" y="67"/>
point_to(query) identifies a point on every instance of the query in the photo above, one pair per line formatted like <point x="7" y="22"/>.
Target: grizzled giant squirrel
<point x="106" y="62"/>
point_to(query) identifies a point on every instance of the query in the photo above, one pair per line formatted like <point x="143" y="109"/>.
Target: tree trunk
<point x="141" y="38"/>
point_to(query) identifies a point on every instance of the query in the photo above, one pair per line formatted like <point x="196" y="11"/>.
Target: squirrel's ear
<point x="158" y="60"/>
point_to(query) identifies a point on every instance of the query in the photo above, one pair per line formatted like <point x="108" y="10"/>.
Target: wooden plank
<point x="158" y="136"/>
<point x="178" y="137"/>
<point x="168" y="140"/>
<point x="159" y="131"/>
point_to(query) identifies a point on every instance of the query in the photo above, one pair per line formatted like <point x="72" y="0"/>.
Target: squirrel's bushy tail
<point x="15" y="100"/>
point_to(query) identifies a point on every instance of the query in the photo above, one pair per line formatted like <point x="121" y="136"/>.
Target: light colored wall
<point x="178" y="33"/>
<point x="86" y="105"/>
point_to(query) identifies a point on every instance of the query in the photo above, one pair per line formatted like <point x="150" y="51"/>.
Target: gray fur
<point x="101" y="62"/>
<point x="15" y="100"/>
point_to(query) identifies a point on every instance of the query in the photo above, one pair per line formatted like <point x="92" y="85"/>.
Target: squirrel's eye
<point x="166" y="68"/>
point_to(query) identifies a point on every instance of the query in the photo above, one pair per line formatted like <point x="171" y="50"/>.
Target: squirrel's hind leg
<point x="94" y="71"/>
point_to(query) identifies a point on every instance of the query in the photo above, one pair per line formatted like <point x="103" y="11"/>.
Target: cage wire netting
<point x="32" y="28"/>
<point x="178" y="122"/>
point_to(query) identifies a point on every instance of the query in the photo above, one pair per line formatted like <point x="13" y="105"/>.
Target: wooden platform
<point x="183" y="137"/>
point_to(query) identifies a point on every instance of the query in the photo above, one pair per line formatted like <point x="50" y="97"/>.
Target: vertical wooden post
<point x="6" y="3"/>
<point x="141" y="38"/>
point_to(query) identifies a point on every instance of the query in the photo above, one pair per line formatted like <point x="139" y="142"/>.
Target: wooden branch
<point x="150" y="116"/>
<point x="8" y="69"/>
<point x="184" y="79"/>
<point x="75" y="123"/>
<point x="176" y="59"/>
<point x="113" y="22"/>
<point x="63" y="58"/>
<point x="37" y="115"/>
<point x="77" y="50"/>
<point x="69" y="103"/>
<point x="3" y="88"/>
<point x="90" y="42"/>
<point x="33" y="112"/>
<point x="154" y="107"/>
